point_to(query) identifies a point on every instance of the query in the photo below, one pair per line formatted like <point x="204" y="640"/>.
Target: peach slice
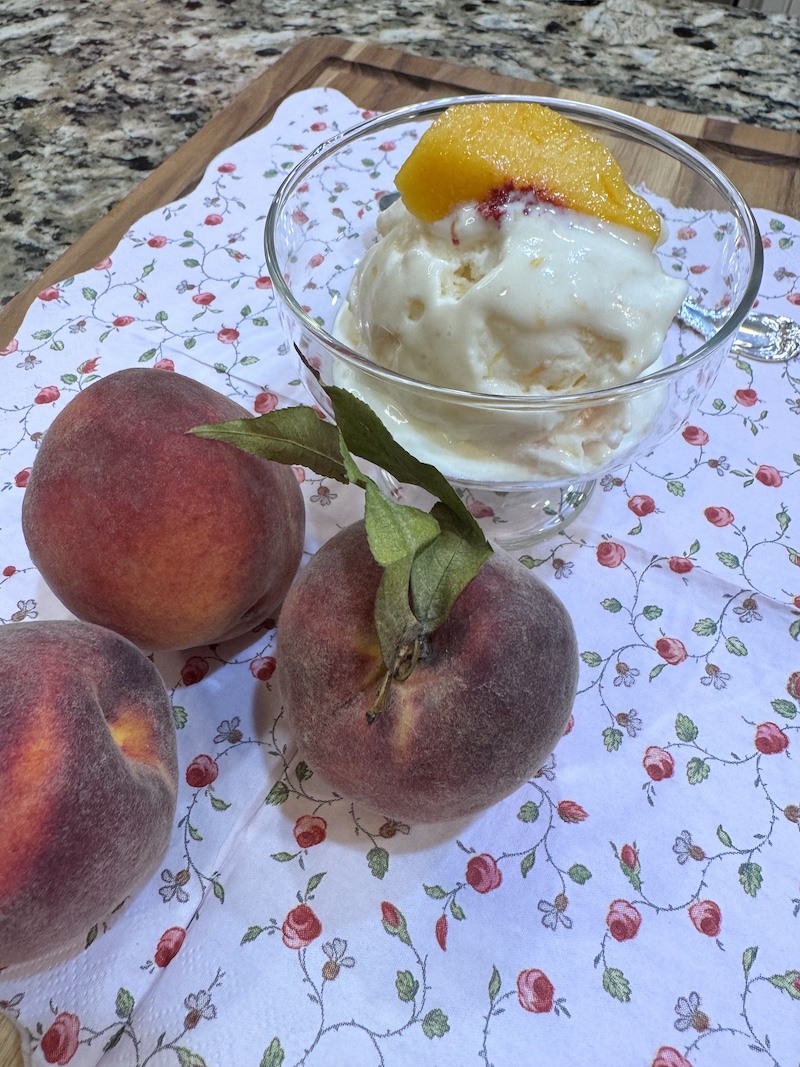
<point x="484" y="152"/>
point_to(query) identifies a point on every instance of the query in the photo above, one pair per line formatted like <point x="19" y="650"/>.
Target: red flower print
<point x="570" y="724"/>
<point x="310" y="830"/>
<point x="47" y="395"/>
<point x="766" y="242"/>
<point x="480" y="510"/>
<point x="368" y="114"/>
<point x="202" y="771"/>
<point x="51" y="293"/>
<point x="316" y="260"/>
<point x="671" y="649"/>
<point x="686" y="233"/>
<point x="658" y="763"/>
<point x="387" y="146"/>
<point x="706" y="917"/>
<point x="300" y="475"/>
<point x="794" y="298"/>
<point x="698" y="268"/>
<point x="441" y="932"/>
<point x="227" y="336"/>
<point x="157" y="242"/>
<point x="535" y="991"/>
<point x="226" y="168"/>
<point x="164" y="364"/>
<point x="104" y="264"/>
<point x="391" y="916"/>
<point x="629" y="856"/>
<point x="88" y="365"/>
<point x="140" y="296"/>
<point x="300" y="927"/>
<point x="60" y="1042"/>
<point x="123" y="320"/>
<point x="265" y="402"/>
<point x="769" y="476"/>
<point x="641" y="505"/>
<point x="770" y="739"/>
<point x="746" y="397"/>
<point x="264" y="282"/>
<point x="203" y="299"/>
<point x="667" y="1056"/>
<point x="694" y="435"/>
<point x="318" y="127"/>
<point x="10" y="348"/>
<point x="194" y="670"/>
<point x="569" y="811"/>
<point x="483" y="874"/>
<point x="21" y="479"/>
<point x="9" y="570"/>
<point x="623" y="920"/>
<point x="299" y="216"/>
<point x="680" y="564"/>
<point x="213" y="220"/>
<point x="263" y="667"/>
<point x="793" y="685"/>
<point x="610" y="554"/>
<point x="719" y="516"/>
<point x="169" y="945"/>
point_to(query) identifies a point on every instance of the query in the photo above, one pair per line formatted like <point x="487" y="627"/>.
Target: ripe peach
<point x="167" y="538"/>
<point x="485" y="705"/>
<point x="88" y="777"/>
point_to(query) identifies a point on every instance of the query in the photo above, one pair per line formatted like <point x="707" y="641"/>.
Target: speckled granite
<point x="93" y="93"/>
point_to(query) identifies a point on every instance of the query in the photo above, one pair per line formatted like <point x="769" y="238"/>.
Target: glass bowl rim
<point x="644" y="132"/>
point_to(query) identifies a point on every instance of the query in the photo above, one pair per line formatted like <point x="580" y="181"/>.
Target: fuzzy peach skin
<point x="484" y="707"/>
<point x="167" y="538"/>
<point x="88" y="780"/>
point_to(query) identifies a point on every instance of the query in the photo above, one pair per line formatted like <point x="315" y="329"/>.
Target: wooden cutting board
<point x="762" y="163"/>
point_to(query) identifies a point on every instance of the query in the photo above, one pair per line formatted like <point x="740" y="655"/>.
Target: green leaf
<point x="456" y="910"/>
<point x="191" y="263"/>
<point x="591" y="659"/>
<point x="652" y="612"/>
<point x="784" y="707"/>
<point x="788" y="982"/>
<point x="273" y="1055"/>
<point x="749" y="958"/>
<point x="783" y="520"/>
<point x="303" y="772"/>
<point x="676" y="488"/>
<point x="396" y="532"/>
<point x="697" y="770"/>
<point x="278" y="794"/>
<point x="248" y="360"/>
<point x="161" y="316"/>
<point x="283" y="857"/>
<point x="612" y="738"/>
<point x="718" y="405"/>
<point x="632" y="875"/>
<point x="530" y="562"/>
<point x="527" y="863"/>
<point x="289" y="435"/>
<point x="616" y="984"/>
<point x="704" y="627"/>
<point x="252" y="934"/>
<point x="125" y="1004"/>
<point x="194" y="833"/>
<point x="580" y="874"/>
<point x="378" y="861"/>
<point x="179" y="716"/>
<point x="89" y="294"/>
<point x="728" y="560"/>
<point x="58" y="346"/>
<point x="750" y="878"/>
<point x="218" y="804"/>
<point x="246" y="310"/>
<point x="529" y="812"/>
<point x="611" y="604"/>
<point x="91" y="936"/>
<point x="189" y="343"/>
<point x="724" y="837"/>
<point x="313" y="882"/>
<point x="69" y="379"/>
<point x="495" y="983"/>
<point x="685" y="728"/>
<point x="435" y="1024"/>
<point x="776" y="225"/>
<point x="147" y="356"/>
<point x="654" y="673"/>
<point x="785" y="242"/>
<point x="42" y="335"/>
<point x="435" y="891"/>
<point x="259" y="320"/>
<point x="794" y="629"/>
<point x="407" y="986"/>
<point x="735" y="646"/>
<point x="219" y="892"/>
<point x="187" y="1058"/>
<point x="115" y="1040"/>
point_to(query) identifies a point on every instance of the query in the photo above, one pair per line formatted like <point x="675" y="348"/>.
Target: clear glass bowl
<point x="321" y="223"/>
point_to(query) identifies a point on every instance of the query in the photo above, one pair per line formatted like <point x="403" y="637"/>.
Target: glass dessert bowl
<point x="525" y="462"/>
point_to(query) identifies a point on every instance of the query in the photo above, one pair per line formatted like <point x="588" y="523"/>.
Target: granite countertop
<point x="95" y="93"/>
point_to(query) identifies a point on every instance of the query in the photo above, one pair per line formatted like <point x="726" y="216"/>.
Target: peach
<point x="169" y="539"/>
<point x="88" y="777"/>
<point x="485" y="705"/>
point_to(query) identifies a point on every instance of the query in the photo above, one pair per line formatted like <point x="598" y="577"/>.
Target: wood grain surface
<point x="762" y="163"/>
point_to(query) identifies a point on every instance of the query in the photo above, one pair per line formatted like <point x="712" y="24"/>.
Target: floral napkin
<point x="638" y="897"/>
